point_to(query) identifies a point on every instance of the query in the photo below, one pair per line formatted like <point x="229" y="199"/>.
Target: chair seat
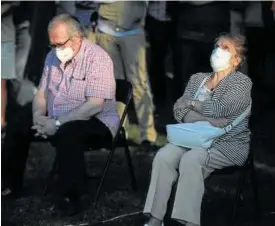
<point x="231" y="169"/>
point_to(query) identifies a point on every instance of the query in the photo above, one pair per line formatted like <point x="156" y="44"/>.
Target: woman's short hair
<point x="239" y="42"/>
<point x="74" y="26"/>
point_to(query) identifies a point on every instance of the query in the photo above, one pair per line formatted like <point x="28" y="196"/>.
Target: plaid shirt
<point x="88" y="74"/>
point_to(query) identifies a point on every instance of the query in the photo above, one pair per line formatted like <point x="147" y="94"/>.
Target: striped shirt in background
<point x="228" y="100"/>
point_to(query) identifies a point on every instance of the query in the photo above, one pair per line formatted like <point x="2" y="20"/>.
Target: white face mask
<point x="65" y="54"/>
<point x="220" y="59"/>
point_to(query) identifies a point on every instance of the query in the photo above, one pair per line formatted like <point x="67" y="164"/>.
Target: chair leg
<point x="104" y="174"/>
<point x="237" y="196"/>
<point x="50" y="176"/>
<point x="130" y="165"/>
<point x="257" y="204"/>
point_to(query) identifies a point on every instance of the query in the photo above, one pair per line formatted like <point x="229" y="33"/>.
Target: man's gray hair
<point x="74" y="26"/>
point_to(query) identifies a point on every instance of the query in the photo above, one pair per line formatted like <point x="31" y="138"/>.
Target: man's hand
<point x="49" y="128"/>
<point x="39" y="131"/>
<point x="39" y="119"/>
<point x="219" y="122"/>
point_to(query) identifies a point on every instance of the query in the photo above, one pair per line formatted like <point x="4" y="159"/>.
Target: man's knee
<point x="67" y="134"/>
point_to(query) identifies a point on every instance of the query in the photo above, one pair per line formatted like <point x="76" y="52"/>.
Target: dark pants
<point x="43" y="12"/>
<point x="70" y="140"/>
<point x="192" y="57"/>
<point x="161" y="35"/>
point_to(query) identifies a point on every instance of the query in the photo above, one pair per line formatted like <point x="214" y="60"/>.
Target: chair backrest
<point x="124" y="93"/>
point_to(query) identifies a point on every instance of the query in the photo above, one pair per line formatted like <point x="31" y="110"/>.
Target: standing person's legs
<point x="163" y="176"/>
<point x="70" y="147"/>
<point x="3" y="102"/>
<point x="192" y="57"/>
<point x="158" y="37"/>
<point x="184" y="64"/>
<point x="204" y="50"/>
<point x="15" y="148"/>
<point x="7" y="73"/>
<point x="23" y="44"/>
<point x="256" y="54"/>
<point x="134" y="61"/>
<point x="67" y="7"/>
<point x="43" y="12"/>
<point x="195" y="166"/>
<point x="110" y="45"/>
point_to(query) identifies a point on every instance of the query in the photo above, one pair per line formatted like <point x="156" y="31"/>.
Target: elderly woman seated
<point x="223" y="97"/>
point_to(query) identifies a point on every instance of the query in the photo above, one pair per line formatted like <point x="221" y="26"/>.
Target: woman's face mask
<point x="220" y="59"/>
<point x="64" y="55"/>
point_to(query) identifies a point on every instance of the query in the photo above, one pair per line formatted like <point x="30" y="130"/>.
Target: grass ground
<point x="117" y="198"/>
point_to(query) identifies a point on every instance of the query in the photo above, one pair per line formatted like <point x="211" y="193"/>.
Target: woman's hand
<point x="219" y="122"/>
<point x="182" y="103"/>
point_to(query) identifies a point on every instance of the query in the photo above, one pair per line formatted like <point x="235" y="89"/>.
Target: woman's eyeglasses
<point x="59" y="45"/>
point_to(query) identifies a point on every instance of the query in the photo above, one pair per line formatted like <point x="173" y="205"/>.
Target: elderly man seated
<point x="74" y="107"/>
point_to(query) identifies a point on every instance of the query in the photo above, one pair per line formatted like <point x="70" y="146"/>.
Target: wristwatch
<point x="57" y="123"/>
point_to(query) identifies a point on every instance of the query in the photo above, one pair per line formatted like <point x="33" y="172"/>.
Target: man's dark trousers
<point x="70" y="141"/>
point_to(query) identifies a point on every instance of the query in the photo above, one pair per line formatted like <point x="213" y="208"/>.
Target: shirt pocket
<point x="55" y="80"/>
<point x="77" y="89"/>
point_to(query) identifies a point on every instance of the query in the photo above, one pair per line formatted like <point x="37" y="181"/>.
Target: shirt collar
<point x="79" y="55"/>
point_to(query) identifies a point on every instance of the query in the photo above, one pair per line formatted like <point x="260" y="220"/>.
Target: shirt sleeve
<point x="179" y="113"/>
<point x="100" y="77"/>
<point x="233" y="102"/>
<point x="43" y="84"/>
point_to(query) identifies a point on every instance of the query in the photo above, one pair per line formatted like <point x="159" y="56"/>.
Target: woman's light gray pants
<point x="190" y="168"/>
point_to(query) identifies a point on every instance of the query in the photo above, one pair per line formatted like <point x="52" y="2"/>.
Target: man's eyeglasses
<point x="59" y="45"/>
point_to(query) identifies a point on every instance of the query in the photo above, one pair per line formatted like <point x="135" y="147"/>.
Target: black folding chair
<point x="247" y="170"/>
<point x="124" y="93"/>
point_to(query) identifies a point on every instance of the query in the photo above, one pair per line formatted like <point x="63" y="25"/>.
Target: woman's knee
<point x="192" y="158"/>
<point x="159" y="157"/>
<point x="167" y="155"/>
